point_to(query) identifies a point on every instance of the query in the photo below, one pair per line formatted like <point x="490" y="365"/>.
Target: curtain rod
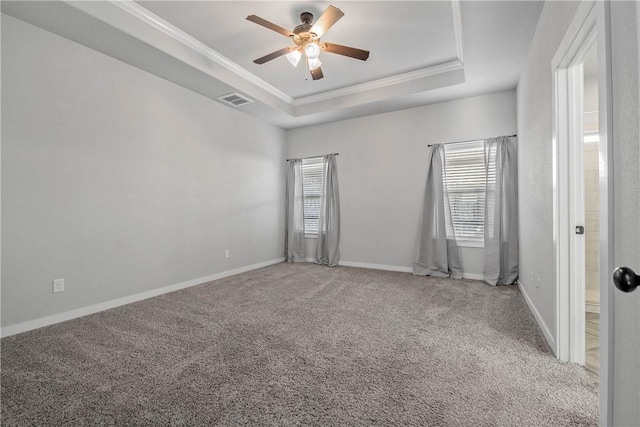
<point x="312" y="157"/>
<point x="470" y="140"/>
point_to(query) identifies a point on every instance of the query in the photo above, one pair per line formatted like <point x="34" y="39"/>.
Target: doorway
<point x="591" y="210"/>
<point x="618" y="182"/>
<point x="586" y="41"/>
<point x="580" y="192"/>
<point x="573" y="127"/>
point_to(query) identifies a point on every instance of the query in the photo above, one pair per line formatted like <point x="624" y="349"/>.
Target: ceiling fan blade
<point x="273" y="55"/>
<point x="351" y="52"/>
<point x="326" y="21"/>
<point x="270" y="25"/>
<point x="316" y="73"/>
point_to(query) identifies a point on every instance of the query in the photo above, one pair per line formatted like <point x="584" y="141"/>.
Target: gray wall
<point x="121" y="182"/>
<point x="535" y="161"/>
<point x="382" y="171"/>
<point x="535" y="115"/>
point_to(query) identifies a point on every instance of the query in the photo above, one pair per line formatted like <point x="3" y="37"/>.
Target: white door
<point x="624" y="314"/>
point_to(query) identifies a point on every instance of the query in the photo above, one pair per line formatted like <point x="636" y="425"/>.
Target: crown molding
<point x="381" y="83"/>
<point x="141" y="15"/>
<point x="148" y="17"/>
<point x="457" y="27"/>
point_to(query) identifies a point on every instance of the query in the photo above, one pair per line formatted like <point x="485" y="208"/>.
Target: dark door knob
<point x="625" y="279"/>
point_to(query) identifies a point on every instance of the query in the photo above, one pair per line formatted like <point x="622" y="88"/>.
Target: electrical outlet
<point x="58" y="285"/>
<point x="227" y="254"/>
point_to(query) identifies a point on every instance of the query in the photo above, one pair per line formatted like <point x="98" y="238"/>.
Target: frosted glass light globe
<point x="312" y="50"/>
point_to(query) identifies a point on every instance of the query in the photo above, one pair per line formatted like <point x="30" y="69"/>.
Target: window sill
<point x="310" y="236"/>
<point x="470" y="243"/>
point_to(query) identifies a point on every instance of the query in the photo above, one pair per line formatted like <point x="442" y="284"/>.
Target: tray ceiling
<point x="387" y="29"/>
<point x="421" y="51"/>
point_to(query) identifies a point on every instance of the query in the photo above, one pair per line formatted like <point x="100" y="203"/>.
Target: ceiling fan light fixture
<point x="314" y="63"/>
<point x="294" y="57"/>
<point x="312" y="50"/>
<point x="306" y="38"/>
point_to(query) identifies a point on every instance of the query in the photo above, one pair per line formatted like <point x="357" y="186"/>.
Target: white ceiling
<point x="366" y="25"/>
<point x="421" y="51"/>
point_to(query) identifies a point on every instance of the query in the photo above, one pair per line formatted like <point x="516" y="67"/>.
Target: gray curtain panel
<point x="438" y="251"/>
<point x="294" y="212"/>
<point x="501" y="213"/>
<point x="328" y="241"/>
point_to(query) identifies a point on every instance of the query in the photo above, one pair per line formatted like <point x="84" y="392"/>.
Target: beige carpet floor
<point x="299" y="345"/>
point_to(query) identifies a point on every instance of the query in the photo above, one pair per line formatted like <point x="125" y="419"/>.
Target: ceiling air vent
<point x="235" y="99"/>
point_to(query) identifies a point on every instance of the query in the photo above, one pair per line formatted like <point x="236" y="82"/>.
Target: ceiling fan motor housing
<point x="306" y="17"/>
<point x="302" y="35"/>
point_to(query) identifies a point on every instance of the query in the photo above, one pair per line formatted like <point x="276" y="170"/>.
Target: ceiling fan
<point x="306" y="38"/>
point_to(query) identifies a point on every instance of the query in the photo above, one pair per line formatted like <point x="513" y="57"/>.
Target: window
<point x="465" y="180"/>
<point x="312" y="187"/>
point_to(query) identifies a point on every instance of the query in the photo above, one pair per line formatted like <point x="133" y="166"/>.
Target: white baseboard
<point x="401" y="269"/>
<point x="472" y="276"/>
<point x="536" y="314"/>
<point x="377" y="266"/>
<point x="84" y="311"/>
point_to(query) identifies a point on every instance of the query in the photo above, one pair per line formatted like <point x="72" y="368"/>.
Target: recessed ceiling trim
<point x="178" y="59"/>
<point x="457" y="27"/>
<point x="200" y="56"/>
<point x="155" y="21"/>
<point x="436" y="81"/>
<point x="380" y="83"/>
<point x="149" y="18"/>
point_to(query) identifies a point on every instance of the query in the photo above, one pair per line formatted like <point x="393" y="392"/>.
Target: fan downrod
<point x="302" y="32"/>
<point x="306" y="17"/>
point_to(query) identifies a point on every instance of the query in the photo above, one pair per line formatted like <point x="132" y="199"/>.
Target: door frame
<point x="589" y="25"/>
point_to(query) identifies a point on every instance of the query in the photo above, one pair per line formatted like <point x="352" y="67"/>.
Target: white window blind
<point x="312" y="186"/>
<point x="465" y="181"/>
